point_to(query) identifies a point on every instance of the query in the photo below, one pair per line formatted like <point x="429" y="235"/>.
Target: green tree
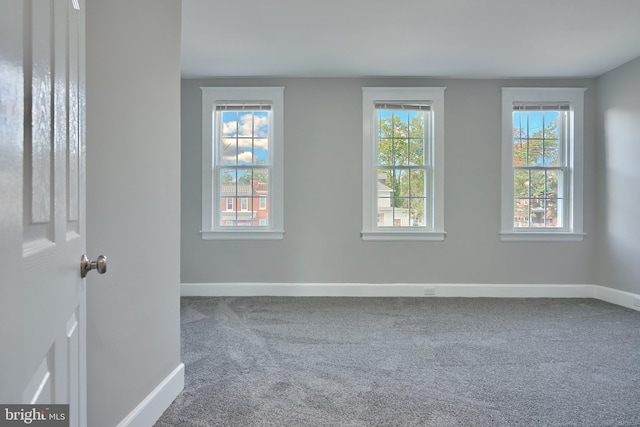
<point x="227" y="178"/>
<point x="401" y="143"/>
<point x="538" y="187"/>
<point x="256" y="174"/>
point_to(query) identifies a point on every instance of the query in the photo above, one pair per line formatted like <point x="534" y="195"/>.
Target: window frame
<point x="434" y="96"/>
<point x="211" y="192"/>
<point x="573" y="212"/>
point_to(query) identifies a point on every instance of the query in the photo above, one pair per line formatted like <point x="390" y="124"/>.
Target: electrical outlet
<point x="636" y="302"/>
<point x="429" y="291"/>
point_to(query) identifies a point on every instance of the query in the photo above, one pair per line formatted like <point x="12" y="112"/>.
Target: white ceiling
<point x="435" y="38"/>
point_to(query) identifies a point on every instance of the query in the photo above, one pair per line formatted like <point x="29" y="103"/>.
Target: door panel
<point x="47" y="344"/>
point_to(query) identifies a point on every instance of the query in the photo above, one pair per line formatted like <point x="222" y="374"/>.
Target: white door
<point x="42" y="204"/>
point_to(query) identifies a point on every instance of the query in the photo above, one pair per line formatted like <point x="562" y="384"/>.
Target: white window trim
<point x="574" y="230"/>
<point x="370" y="229"/>
<point x="275" y="96"/>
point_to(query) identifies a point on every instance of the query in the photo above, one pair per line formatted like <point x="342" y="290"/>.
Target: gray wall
<point x="133" y="202"/>
<point x="618" y="252"/>
<point x="323" y="180"/>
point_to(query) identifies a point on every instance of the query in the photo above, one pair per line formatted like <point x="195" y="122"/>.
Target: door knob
<point x="87" y="265"/>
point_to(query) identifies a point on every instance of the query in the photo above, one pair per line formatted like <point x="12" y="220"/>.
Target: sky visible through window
<point x="245" y="139"/>
<point x="530" y="124"/>
<point x="538" y="161"/>
<point x="401" y="200"/>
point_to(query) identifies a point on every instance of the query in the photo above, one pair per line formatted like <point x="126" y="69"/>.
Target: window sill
<point x="511" y="236"/>
<point x="243" y="235"/>
<point x="398" y="235"/>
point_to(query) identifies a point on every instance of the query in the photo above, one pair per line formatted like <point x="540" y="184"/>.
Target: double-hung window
<point x="242" y="162"/>
<point x="403" y="157"/>
<point x="542" y="163"/>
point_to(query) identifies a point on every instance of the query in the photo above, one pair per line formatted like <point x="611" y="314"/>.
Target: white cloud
<point x="248" y="125"/>
<point x="229" y="128"/>
<point x="246" y="143"/>
<point x="244" y="157"/>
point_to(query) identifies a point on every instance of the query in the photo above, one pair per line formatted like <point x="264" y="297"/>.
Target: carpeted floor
<point x="272" y="361"/>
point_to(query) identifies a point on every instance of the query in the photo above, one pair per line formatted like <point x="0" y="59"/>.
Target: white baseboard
<point x="152" y="407"/>
<point x="615" y="296"/>
<point x="429" y="290"/>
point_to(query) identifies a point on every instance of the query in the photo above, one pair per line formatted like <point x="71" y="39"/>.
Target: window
<point x="542" y="163"/>
<point x="403" y="157"/>
<point x="242" y="153"/>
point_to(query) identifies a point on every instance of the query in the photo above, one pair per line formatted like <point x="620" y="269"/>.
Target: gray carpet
<point x="271" y="361"/>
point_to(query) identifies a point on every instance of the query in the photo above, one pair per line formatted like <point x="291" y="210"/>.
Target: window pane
<point x="417" y="201"/>
<point x="227" y="176"/>
<point x="245" y="137"/>
<point x="244" y="178"/>
<point x="393" y="131"/>
<point x="385" y="153"/>
<point x="552" y="213"/>
<point x="229" y="123"/>
<point x="543" y="174"/>
<point x="261" y="196"/>
<point x="403" y="121"/>
<point x="551" y="152"/>
<point x="535" y="138"/>
<point x="520" y="135"/>
<point x="537" y="143"/>
<point x="401" y="200"/>
<point x="401" y="212"/>
<point x="521" y="213"/>
<point x="245" y="153"/>
<point x="416" y="183"/>
<point x="537" y="183"/>
<point x="537" y="201"/>
<point x="385" y="198"/>
<point x="228" y="143"/>
<point x="417" y="212"/>
<point x="385" y="212"/>
<point x="400" y="151"/>
<point x="228" y="203"/>
<point x="227" y="216"/>
<point x="416" y="124"/>
<point x="520" y="123"/>
<point x="228" y="151"/>
<point x="261" y="138"/>
<point x="551" y="187"/>
<point x="537" y="212"/>
<point x="550" y="124"/>
<point x="534" y="152"/>
<point x="400" y="183"/>
<point x="244" y="203"/>
<point x="521" y="184"/>
<point x="519" y="150"/>
<point x="416" y="152"/>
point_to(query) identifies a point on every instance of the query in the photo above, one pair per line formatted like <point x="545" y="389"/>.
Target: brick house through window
<point x="245" y="205"/>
